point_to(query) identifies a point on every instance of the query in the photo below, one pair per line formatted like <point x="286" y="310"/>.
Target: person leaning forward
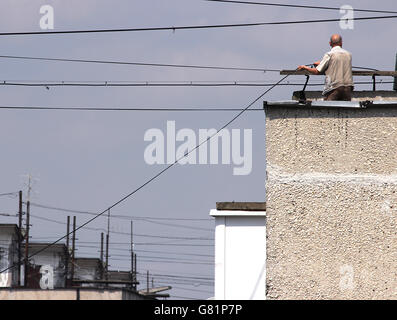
<point x="337" y="67"/>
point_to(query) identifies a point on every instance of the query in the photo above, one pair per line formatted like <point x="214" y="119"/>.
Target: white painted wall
<point x="54" y="259"/>
<point x="240" y="255"/>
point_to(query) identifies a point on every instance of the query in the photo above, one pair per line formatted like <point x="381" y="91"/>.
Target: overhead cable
<point x="8" y="194"/>
<point x="299" y="6"/>
<point x="33" y="204"/>
<point x="155" y="84"/>
<point x="145" y="64"/>
<point x="126" y="233"/>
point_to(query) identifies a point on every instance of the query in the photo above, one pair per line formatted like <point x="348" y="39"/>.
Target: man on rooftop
<point x="337" y="67"/>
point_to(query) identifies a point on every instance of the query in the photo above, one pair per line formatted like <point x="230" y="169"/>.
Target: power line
<point x="191" y="282"/>
<point x="184" y="282"/>
<point x="152" y="84"/>
<point x="216" y="26"/>
<point x="147" y="64"/>
<point x="124" y="109"/>
<point x="151" y="109"/>
<point x="298" y="6"/>
<point x="184" y="298"/>
<point x="159" y="259"/>
<point x="176" y="253"/>
<point x="8" y="215"/>
<point x="210" y="277"/>
<point x="114" y="215"/>
<point x="168" y="244"/>
<point x="144" y="64"/>
<point x="180" y="277"/>
<point x="9" y="194"/>
<point x="140" y="84"/>
<point x="177" y="225"/>
<point x="146" y="244"/>
<point x="153" y="178"/>
<point x="146" y="251"/>
<point x="126" y="233"/>
<point x="185" y="289"/>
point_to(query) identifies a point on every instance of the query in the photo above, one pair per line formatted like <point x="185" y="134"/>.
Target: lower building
<point x="240" y="250"/>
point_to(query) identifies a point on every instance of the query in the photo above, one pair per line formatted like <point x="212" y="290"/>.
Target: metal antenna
<point x="29" y="182"/>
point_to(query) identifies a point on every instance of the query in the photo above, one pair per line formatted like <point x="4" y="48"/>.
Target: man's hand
<point x="302" y="68"/>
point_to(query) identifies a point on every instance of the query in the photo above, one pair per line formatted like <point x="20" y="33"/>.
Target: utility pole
<point x="132" y="257"/>
<point x="27" y="244"/>
<point x="107" y="260"/>
<point x="101" y="256"/>
<point x="135" y="269"/>
<point x="107" y="248"/>
<point x="395" y="78"/>
<point x="147" y="282"/>
<point x="20" y="238"/>
<point x="67" y="252"/>
<point x="73" y="247"/>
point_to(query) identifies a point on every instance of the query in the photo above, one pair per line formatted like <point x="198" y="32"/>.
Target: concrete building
<point x="50" y="261"/>
<point x="9" y="237"/>
<point x="46" y="274"/>
<point x="331" y="192"/>
<point x="87" y="272"/>
<point x="47" y="263"/>
<point x="240" y="251"/>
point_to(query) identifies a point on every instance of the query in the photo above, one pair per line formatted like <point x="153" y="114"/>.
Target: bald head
<point x="336" y="40"/>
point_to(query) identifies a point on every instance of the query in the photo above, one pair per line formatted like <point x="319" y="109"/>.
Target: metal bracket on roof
<point x="302" y="95"/>
<point x="322" y="104"/>
<point x="366" y="104"/>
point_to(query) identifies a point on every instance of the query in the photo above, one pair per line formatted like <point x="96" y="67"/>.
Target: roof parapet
<point x="331" y="104"/>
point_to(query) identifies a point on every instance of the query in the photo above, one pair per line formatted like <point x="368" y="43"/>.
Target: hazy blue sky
<point x="89" y="160"/>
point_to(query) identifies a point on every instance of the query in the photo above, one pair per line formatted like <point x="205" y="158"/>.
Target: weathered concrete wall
<point x="54" y="259"/>
<point x="86" y="272"/>
<point x="68" y="294"/>
<point x="331" y="203"/>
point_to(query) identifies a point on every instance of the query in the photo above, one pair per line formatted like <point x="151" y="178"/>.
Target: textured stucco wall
<point x="331" y="192"/>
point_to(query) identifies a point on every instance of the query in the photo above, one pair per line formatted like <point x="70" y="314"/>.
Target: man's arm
<point x="311" y="70"/>
<point x="319" y="66"/>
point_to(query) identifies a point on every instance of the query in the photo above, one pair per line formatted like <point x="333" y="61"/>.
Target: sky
<point x="87" y="161"/>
